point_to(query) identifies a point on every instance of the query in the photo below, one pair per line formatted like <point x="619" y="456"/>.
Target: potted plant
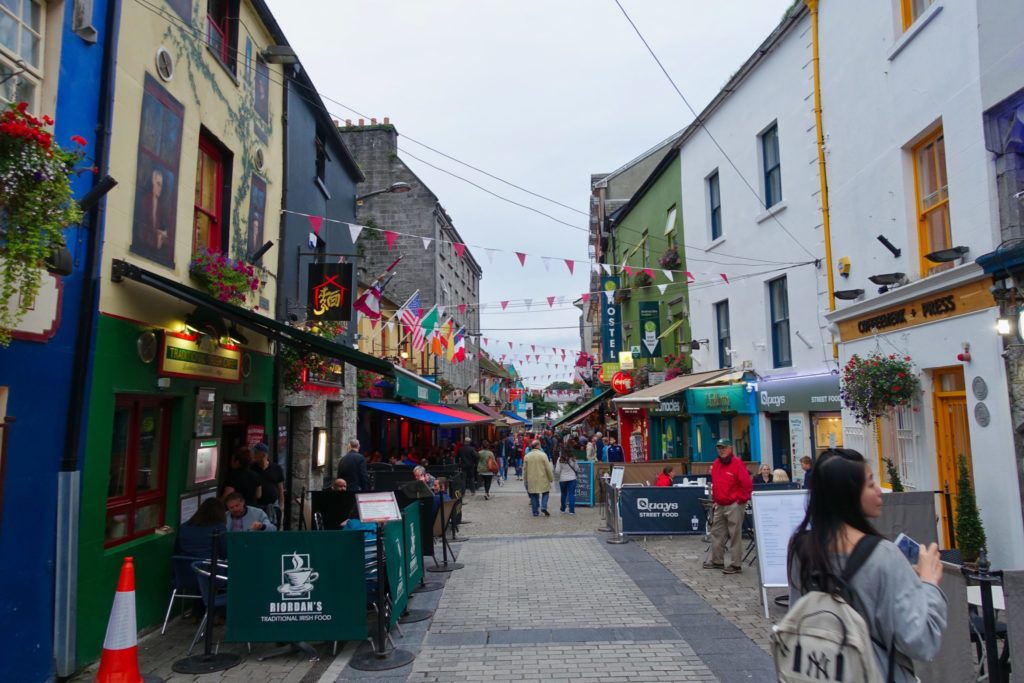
<point x="670" y="259"/>
<point x="223" y="277"/>
<point x="970" y="534"/>
<point x="872" y="385"/>
<point x="895" y="483"/>
<point x="642" y="279"/>
<point x="35" y="207"/>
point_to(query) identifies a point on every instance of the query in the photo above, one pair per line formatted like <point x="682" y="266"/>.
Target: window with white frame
<point x="772" y="166"/>
<point x="21" y="51"/>
<point x="670" y="220"/>
<point x="714" y="205"/>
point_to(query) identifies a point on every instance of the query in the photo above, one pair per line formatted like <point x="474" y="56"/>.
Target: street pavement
<point x="543" y="599"/>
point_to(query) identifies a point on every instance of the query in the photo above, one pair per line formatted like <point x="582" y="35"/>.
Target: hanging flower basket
<point x="225" y="278"/>
<point x="35" y="207"/>
<point x="872" y="385"/>
<point x="642" y="279"/>
<point x="298" y="367"/>
<point x="623" y="294"/>
<point x="670" y="259"/>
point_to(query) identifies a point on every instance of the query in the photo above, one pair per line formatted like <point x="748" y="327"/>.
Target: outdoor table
<point x="974" y="597"/>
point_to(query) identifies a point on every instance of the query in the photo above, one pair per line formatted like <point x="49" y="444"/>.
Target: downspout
<point x="69" y="476"/>
<point x="282" y="300"/>
<point x="812" y="5"/>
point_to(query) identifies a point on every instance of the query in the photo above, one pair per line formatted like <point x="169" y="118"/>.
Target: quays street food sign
<point x="662" y="510"/>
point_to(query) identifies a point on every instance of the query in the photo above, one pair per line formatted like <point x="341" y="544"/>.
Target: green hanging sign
<point x="413" y="545"/>
<point x="394" y="556"/>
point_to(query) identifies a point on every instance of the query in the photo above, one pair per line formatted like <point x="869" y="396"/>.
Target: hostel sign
<point x="611" y="320"/>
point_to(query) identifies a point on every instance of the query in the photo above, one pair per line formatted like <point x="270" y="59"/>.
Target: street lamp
<point x="396" y="188"/>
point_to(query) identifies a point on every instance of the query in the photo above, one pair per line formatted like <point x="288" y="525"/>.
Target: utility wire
<point x="700" y="122"/>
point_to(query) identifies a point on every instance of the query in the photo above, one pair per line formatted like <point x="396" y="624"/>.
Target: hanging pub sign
<point x="199" y="356"/>
<point x="329" y="295"/>
<point x="650" y="329"/>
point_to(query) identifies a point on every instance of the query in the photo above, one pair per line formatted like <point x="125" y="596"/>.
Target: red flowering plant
<point x="872" y="385"/>
<point x="35" y="206"/>
<point x="676" y="365"/>
<point x="224" y="277"/>
<point x="297" y="366"/>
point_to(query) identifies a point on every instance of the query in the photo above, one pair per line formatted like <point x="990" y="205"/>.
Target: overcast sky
<point x="541" y="93"/>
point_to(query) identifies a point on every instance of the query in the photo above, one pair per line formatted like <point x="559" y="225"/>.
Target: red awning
<point x="475" y="418"/>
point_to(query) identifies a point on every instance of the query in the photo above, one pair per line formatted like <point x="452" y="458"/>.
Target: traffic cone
<point x="120" y="660"/>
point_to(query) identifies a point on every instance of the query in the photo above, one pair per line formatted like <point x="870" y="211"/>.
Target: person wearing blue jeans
<point x="538" y="474"/>
<point x="566" y="472"/>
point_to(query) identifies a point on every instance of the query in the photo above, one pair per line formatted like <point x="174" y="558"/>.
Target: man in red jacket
<point x="730" y="489"/>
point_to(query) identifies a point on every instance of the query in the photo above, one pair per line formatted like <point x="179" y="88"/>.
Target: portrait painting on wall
<point x="183" y="9"/>
<point x="257" y="206"/>
<point x="261" y="90"/>
<point x="156" y="176"/>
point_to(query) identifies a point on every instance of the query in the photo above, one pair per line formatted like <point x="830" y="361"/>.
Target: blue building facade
<point x="37" y="371"/>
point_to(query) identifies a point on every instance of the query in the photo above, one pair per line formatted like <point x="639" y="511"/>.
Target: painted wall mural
<point x="257" y="208"/>
<point x="153" y="223"/>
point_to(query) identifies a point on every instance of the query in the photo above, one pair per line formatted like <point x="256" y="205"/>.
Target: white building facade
<point x="752" y="216"/>
<point x="908" y="166"/>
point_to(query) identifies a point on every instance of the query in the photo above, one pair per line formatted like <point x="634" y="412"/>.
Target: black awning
<point x="272" y="329"/>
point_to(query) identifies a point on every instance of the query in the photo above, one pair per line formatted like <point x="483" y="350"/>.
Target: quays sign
<point x="662" y="510"/>
<point x="809" y="393"/>
<point x="290" y="586"/>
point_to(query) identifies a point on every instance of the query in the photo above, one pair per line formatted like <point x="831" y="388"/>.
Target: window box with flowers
<point x="35" y="207"/>
<point x="676" y="365"/>
<point x="642" y="279"/>
<point x="872" y="385"/>
<point x="670" y="259"/>
<point x="622" y="295"/>
<point x="225" y="278"/>
<point x="300" y="369"/>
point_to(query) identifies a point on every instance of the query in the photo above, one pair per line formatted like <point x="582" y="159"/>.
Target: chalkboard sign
<point x="585" y="483"/>
<point x="777" y="514"/>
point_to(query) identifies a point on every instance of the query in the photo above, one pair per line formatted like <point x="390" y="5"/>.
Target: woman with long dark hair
<point x="902" y="604"/>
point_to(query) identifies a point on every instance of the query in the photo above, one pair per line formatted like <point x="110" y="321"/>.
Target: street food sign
<point x="291" y="586"/>
<point x="329" y="291"/>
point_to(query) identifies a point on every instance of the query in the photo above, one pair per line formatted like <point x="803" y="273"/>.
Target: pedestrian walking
<point x="539" y="474"/>
<point x="468" y="459"/>
<point x="902" y="604"/>
<point x="486" y="467"/>
<point x="517" y="456"/>
<point x="592" y="449"/>
<point x="566" y="471"/>
<point x="730" y="489"/>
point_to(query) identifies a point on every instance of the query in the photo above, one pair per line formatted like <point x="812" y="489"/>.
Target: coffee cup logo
<point x="297" y="577"/>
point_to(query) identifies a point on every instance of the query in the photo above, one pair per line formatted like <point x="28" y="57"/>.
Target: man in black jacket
<point x="468" y="461"/>
<point x="352" y="468"/>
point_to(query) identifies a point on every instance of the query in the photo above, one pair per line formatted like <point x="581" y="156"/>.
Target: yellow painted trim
<point x="923" y="245"/>
<point x="812" y="5"/>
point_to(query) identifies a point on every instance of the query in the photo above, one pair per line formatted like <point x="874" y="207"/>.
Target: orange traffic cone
<point x="120" y="661"/>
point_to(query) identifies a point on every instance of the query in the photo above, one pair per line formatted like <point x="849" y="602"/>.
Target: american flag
<point x="411" y="314"/>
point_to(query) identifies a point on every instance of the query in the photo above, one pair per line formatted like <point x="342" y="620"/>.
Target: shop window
<point x="208" y="225"/>
<point x="222" y="31"/>
<point x="722" y="329"/>
<point x="910" y="10"/>
<point x="715" y="205"/>
<point x="772" y="166"/>
<point x="21" y="51"/>
<point x="782" y="352"/>
<point x="932" y="197"/>
<point x="136" y="485"/>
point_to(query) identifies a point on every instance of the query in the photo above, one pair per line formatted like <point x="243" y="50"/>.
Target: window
<point x="21" y="51"/>
<point x="670" y="220"/>
<point x="207" y="227"/>
<point x="321" y="163"/>
<point x="222" y="30"/>
<point x="932" y="200"/>
<point x="715" y="206"/>
<point x="912" y="9"/>
<point x="772" y="166"/>
<point x="645" y="247"/>
<point x="895" y="437"/>
<point x="137" y="484"/>
<point x="782" y="352"/>
<point x="722" y="327"/>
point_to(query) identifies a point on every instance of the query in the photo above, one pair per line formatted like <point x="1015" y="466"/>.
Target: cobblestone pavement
<point x="737" y="597"/>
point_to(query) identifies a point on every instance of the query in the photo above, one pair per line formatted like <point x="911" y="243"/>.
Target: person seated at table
<point x="764" y="476"/>
<point x="665" y="478"/>
<point x="194" y="536"/>
<point x="375" y="457"/>
<point x="779" y="476"/>
<point x="242" y="517"/>
<point x="409" y="459"/>
<point x="339" y="485"/>
<point x="421" y="474"/>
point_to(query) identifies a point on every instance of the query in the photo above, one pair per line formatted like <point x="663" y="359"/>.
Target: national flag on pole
<point x="425" y="329"/>
<point x="460" y="346"/>
<point x="368" y="302"/>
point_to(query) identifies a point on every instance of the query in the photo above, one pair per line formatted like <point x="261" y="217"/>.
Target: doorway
<point x="780" y="441"/>
<point x="952" y="434"/>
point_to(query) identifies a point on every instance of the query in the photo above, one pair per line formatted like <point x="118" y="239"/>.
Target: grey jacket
<point x="894" y="602"/>
<point x="252" y="514"/>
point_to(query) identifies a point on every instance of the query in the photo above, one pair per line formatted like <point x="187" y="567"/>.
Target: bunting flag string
<point x="522" y="258"/>
<point x="390" y="236"/>
<point x="426" y="242"/>
<point x="316" y="222"/>
<point x="569" y="264"/>
<point x="459" y="248"/>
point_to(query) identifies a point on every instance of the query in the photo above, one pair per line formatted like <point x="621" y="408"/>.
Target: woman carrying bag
<point x="566" y="472"/>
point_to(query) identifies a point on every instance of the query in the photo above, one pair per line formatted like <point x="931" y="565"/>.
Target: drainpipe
<point x="812" y="5"/>
<point x="69" y="476"/>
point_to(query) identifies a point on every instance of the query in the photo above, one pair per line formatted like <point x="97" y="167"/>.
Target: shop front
<point x="587" y="413"/>
<point x="801" y="417"/>
<point x="946" y="325"/>
<point x="652" y="420"/>
<point x="726" y="411"/>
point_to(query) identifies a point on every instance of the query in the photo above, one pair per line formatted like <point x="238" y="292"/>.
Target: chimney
<point x="373" y="122"/>
<point x="387" y="121"/>
<point x="348" y="123"/>
<point x="361" y="122"/>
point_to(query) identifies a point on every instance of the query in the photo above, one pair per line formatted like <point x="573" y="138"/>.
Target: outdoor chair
<point x="448" y="507"/>
<point x="183" y="584"/>
<point x="201" y="570"/>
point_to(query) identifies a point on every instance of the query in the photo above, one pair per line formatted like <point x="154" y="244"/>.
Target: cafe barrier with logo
<point x="413" y="545"/>
<point x="661" y="510"/>
<point x="397" y="568"/>
<point x="585" y="483"/>
<point x="293" y="586"/>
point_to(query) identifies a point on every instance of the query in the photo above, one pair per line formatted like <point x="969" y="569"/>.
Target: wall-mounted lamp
<point x="236" y="337"/>
<point x="890" y="246"/>
<point x="695" y="343"/>
<point x="396" y="188"/>
<point x="319" y="447"/>
<point x="258" y="254"/>
<point x="1003" y="326"/>
<point x="279" y="54"/>
<point x="404" y="355"/>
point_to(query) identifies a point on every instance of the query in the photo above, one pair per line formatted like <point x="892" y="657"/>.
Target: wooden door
<point x="952" y="434"/>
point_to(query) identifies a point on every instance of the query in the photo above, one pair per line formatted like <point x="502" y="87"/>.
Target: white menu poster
<point x="378" y="507"/>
